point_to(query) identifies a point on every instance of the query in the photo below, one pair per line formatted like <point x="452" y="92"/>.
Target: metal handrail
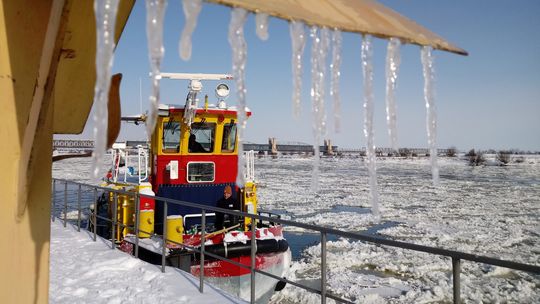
<point x="456" y="256"/>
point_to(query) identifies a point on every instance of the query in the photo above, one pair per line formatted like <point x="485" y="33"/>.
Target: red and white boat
<point x="193" y="157"/>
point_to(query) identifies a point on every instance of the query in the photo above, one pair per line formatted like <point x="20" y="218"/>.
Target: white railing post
<point x="252" y="165"/>
<point x="126" y="164"/>
<point x="249" y="172"/>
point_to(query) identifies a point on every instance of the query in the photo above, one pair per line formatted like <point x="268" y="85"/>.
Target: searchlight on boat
<point x="222" y="91"/>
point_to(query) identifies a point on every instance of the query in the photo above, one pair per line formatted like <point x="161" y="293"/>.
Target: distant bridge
<point x="270" y="148"/>
<point x="86" y="144"/>
<point x="73" y="144"/>
<point x="285" y="148"/>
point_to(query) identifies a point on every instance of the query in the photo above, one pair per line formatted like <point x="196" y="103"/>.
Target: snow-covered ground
<point x="487" y="210"/>
<point x="84" y="271"/>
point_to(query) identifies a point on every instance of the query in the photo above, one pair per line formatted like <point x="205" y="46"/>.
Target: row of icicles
<point x="322" y="38"/>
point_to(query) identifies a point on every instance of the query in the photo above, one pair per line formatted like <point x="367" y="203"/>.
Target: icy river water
<point x="486" y="210"/>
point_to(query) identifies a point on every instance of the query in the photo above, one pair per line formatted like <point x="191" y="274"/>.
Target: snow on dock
<point x="84" y="271"/>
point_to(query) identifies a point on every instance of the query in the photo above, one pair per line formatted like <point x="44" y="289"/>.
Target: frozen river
<point x="487" y="210"/>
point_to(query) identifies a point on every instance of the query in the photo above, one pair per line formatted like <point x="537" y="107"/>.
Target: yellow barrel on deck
<point x="175" y="229"/>
<point x="125" y="208"/>
<point x="128" y="209"/>
<point x="250" y="201"/>
<point x="146" y="223"/>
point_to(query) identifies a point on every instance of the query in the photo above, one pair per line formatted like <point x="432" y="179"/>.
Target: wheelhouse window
<point x="200" y="172"/>
<point x="201" y="139"/>
<point x="171" y="137"/>
<point x="229" y="137"/>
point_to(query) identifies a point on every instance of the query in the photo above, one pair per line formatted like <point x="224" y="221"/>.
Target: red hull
<point x="225" y="269"/>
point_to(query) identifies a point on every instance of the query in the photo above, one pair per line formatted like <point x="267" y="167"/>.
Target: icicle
<point x="393" y="61"/>
<point x="334" y="83"/>
<point x="298" y="41"/>
<point x="155" y="11"/>
<point x="431" y="117"/>
<point x="192" y="8"/>
<point x="261" y="21"/>
<point x="320" y="44"/>
<point x="367" y="71"/>
<point x="315" y="73"/>
<point x="239" y="54"/>
<point x="105" y="12"/>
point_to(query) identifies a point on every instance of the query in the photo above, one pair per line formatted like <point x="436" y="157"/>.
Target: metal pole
<point x="79" y="208"/>
<point x="53" y="198"/>
<point x="456" y="269"/>
<point x="253" y="250"/>
<point x="323" y="267"/>
<point x="164" y="247"/>
<point x="201" y="266"/>
<point x="115" y="214"/>
<point x="137" y="210"/>
<point x="95" y="213"/>
<point x="65" y="203"/>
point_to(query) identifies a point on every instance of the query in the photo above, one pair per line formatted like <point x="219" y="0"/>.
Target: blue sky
<point x="489" y="99"/>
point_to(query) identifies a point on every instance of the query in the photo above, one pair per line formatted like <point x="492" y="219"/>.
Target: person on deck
<point x="195" y="146"/>
<point x="226" y="202"/>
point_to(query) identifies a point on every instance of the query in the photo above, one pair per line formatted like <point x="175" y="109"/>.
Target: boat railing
<point x="125" y="161"/>
<point x="62" y="200"/>
<point x="249" y="172"/>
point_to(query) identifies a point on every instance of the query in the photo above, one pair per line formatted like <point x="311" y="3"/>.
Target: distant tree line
<point x="473" y="156"/>
<point x="504" y="157"/>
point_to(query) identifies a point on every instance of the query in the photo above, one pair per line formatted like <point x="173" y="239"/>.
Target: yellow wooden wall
<point x="34" y="35"/>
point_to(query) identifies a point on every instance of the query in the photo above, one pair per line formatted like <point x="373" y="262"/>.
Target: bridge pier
<point x="328" y="149"/>
<point x="272" y="144"/>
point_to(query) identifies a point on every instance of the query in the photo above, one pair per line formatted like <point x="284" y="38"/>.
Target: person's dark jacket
<point x="227" y="219"/>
